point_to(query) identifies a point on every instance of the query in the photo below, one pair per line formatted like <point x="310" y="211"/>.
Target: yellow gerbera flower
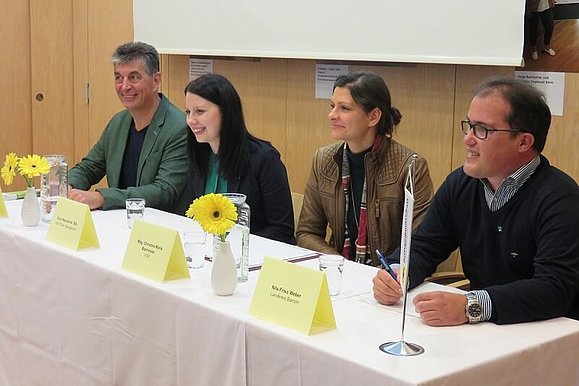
<point x="32" y="166"/>
<point x="9" y="168"/>
<point x="214" y="212"/>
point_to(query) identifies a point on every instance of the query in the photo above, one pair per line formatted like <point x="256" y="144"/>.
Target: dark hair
<point x="233" y="149"/>
<point x="370" y="91"/>
<point x="129" y="52"/>
<point x="529" y="110"/>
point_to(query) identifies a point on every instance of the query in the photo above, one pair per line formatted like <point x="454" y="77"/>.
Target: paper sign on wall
<point x="293" y="296"/>
<point x="3" y="211"/>
<point x="326" y="75"/>
<point x="155" y="252"/>
<point x="72" y="226"/>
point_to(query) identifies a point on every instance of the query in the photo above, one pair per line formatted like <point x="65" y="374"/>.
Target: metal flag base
<point x="401" y="348"/>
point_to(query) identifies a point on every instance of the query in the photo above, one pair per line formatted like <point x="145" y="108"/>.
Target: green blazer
<point x="162" y="167"/>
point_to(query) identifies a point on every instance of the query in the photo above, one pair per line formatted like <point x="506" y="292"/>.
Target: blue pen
<point x="385" y="264"/>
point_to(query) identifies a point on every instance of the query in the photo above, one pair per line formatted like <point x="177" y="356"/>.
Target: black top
<point x="266" y="186"/>
<point x="135" y="141"/>
<point x="525" y="255"/>
<point x="357" y="174"/>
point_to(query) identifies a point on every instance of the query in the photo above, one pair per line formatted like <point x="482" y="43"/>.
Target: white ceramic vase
<point x="30" y="211"/>
<point x="224" y="271"/>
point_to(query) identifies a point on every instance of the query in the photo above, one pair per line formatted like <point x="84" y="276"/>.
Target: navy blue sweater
<point x="526" y="254"/>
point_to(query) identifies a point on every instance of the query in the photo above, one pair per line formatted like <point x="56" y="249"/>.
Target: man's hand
<point x="386" y="290"/>
<point x="440" y="308"/>
<point x="94" y="200"/>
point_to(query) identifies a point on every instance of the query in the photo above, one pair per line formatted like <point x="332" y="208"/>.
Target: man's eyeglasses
<point x="481" y="131"/>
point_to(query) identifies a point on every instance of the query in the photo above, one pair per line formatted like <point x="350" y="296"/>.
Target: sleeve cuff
<point x="484" y="300"/>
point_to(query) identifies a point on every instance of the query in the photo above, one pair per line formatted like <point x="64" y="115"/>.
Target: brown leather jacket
<point x="386" y="170"/>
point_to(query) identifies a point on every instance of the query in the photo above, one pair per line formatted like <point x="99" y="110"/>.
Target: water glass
<point x="332" y="265"/>
<point x="194" y="248"/>
<point x="48" y="206"/>
<point x="135" y="210"/>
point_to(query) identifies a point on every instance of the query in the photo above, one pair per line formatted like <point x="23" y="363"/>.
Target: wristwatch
<point x="473" y="308"/>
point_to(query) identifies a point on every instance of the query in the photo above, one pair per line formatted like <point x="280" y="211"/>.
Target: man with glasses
<point x="514" y="217"/>
<point x="142" y="151"/>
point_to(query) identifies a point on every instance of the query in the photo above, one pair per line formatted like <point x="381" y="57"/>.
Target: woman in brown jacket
<point x="356" y="187"/>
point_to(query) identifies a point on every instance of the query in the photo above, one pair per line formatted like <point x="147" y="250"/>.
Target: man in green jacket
<point x="142" y="151"/>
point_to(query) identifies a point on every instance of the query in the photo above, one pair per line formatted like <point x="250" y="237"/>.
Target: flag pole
<point x="401" y="347"/>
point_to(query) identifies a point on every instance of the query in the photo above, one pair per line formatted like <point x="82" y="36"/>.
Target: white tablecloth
<point x="76" y="318"/>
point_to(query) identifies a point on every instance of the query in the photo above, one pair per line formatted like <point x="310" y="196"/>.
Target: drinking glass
<point x="332" y="265"/>
<point x="194" y="248"/>
<point x="135" y="210"/>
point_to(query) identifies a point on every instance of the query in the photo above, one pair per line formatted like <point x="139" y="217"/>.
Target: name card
<point x="72" y="226"/>
<point x="3" y="211"/>
<point x="155" y="252"/>
<point x="293" y="296"/>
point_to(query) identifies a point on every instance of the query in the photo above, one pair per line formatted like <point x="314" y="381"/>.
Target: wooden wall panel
<point x="52" y="83"/>
<point x="15" y="98"/>
<point x="109" y="25"/>
<point x="174" y="77"/>
<point x="563" y="137"/>
<point x="80" y="80"/>
<point x="307" y="122"/>
<point x="262" y="87"/>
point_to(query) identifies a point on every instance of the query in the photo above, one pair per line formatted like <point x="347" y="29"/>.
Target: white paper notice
<point x="550" y="83"/>
<point x="198" y="67"/>
<point x="326" y="75"/>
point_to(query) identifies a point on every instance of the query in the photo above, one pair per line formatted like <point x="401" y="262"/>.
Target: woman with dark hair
<point x="356" y="187"/>
<point x="224" y="157"/>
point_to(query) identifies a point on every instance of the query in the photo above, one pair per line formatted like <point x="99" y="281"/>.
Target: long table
<point x="76" y="318"/>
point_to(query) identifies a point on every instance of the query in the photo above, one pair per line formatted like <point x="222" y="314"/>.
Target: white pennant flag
<point x="406" y="229"/>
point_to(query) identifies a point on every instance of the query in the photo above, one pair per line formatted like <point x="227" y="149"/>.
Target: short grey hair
<point x="129" y="52"/>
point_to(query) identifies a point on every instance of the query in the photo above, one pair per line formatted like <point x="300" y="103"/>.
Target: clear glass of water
<point x="135" y="210"/>
<point x="194" y="248"/>
<point x="48" y="206"/>
<point x="333" y="266"/>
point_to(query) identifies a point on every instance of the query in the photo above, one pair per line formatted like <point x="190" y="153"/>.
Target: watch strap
<point x="474" y="311"/>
